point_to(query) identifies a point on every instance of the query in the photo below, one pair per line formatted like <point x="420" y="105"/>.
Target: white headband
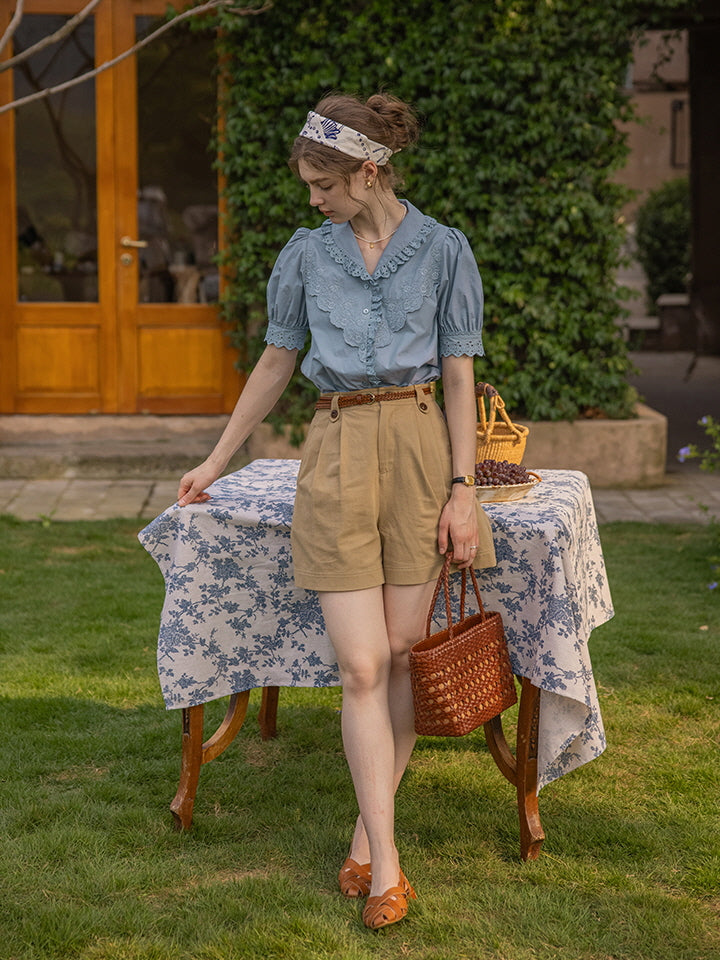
<point x="344" y="139"/>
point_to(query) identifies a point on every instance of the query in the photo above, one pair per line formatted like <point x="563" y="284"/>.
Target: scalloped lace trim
<point x="386" y="266"/>
<point x="388" y="314"/>
<point x="282" y="337"/>
<point x="469" y="345"/>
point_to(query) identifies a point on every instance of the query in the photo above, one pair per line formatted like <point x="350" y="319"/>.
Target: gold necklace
<point x="371" y="243"/>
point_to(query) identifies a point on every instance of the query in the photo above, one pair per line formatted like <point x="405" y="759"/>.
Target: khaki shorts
<point x="372" y="484"/>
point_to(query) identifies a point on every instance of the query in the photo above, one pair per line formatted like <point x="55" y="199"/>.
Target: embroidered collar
<point x="407" y="240"/>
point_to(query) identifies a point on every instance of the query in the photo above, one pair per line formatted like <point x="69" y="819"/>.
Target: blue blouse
<point x="424" y="301"/>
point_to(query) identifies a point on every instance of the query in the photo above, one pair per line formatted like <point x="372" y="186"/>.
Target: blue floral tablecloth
<point x="233" y="619"/>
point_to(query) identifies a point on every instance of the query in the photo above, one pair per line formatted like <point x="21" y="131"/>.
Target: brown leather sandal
<point x="409" y="889"/>
<point x="354" y="879"/>
<point x="390" y="906"/>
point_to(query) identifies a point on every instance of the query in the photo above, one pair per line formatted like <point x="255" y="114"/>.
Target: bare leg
<point x="371" y="631"/>
<point x="405" y="614"/>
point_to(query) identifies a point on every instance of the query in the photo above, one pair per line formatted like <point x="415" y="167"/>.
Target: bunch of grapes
<point x="500" y="473"/>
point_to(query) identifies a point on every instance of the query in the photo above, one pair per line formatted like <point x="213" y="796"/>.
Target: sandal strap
<point x="407" y="886"/>
<point x="354" y="878"/>
<point x="389" y="907"/>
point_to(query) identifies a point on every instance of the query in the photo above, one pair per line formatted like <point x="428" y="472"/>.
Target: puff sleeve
<point x="460" y="300"/>
<point x="287" y="315"/>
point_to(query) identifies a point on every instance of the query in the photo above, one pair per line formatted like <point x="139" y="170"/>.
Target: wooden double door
<point x="109" y="219"/>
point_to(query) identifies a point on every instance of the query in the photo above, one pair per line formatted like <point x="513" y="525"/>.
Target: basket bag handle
<point x="497" y="405"/>
<point x="444" y="581"/>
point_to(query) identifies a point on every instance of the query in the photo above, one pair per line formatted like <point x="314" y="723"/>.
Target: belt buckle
<point x="370" y="397"/>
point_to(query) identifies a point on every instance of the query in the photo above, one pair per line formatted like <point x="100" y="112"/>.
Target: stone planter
<point x="264" y="444"/>
<point x="613" y="453"/>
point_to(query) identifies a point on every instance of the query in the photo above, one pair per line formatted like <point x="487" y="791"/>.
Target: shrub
<point x="662" y="238"/>
<point x="521" y="102"/>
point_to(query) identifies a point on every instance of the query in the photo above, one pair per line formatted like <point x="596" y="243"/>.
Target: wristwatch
<point x="468" y="480"/>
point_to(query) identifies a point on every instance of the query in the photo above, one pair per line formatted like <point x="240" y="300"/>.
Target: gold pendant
<point x="372" y="246"/>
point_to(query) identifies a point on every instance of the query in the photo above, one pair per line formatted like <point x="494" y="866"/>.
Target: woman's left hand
<point x="458" y="528"/>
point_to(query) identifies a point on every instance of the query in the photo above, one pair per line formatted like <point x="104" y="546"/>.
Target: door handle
<point x="129" y="242"/>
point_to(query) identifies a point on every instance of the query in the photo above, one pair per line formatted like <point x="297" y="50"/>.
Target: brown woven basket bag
<point x="497" y="439"/>
<point x="461" y="677"/>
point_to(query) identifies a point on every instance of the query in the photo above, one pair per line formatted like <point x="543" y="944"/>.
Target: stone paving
<point x="685" y="497"/>
<point x="694" y="498"/>
<point x="94" y="468"/>
<point x="85" y="499"/>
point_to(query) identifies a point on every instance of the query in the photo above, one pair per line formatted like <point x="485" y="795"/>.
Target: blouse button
<point x="366" y="310"/>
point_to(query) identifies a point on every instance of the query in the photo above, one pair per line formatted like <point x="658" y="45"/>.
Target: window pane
<point x="56" y="169"/>
<point x="177" y="202"/>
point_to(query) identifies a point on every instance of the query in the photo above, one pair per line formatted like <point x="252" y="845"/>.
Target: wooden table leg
<point x="195" y="753"/>
<point x="267" y="717"/>
<point x="526" y="750"/>
<point x="521" y="769"/>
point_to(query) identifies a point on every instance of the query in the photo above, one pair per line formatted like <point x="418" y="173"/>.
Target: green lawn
<point x="91" y="867"/>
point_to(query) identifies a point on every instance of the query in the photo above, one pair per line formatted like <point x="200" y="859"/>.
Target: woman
<point x="392" y="300"/>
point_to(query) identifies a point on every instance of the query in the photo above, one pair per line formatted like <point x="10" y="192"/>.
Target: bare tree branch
<point x="64" y="31"/>
<point x="207" y="7"/>
<point x="13" y="25"/>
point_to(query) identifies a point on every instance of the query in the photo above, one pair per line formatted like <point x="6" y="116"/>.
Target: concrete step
<point x="107" y="447"/>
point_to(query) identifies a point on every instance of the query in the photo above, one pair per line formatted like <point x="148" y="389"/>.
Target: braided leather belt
<point x="355" y="399"/>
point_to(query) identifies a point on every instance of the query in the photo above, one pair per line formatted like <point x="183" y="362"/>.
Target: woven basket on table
<point x="497" y="439"/>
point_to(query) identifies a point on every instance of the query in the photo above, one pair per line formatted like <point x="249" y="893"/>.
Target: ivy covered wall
<point x="520" y="102"/>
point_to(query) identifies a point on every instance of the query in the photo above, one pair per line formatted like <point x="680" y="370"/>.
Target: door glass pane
<point x="177" y="198"/>
<point x="56" y="170"/>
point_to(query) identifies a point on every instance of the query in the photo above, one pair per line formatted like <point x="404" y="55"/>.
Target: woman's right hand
<point x="193" y="484"/>
<point x="260" y="394"/>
